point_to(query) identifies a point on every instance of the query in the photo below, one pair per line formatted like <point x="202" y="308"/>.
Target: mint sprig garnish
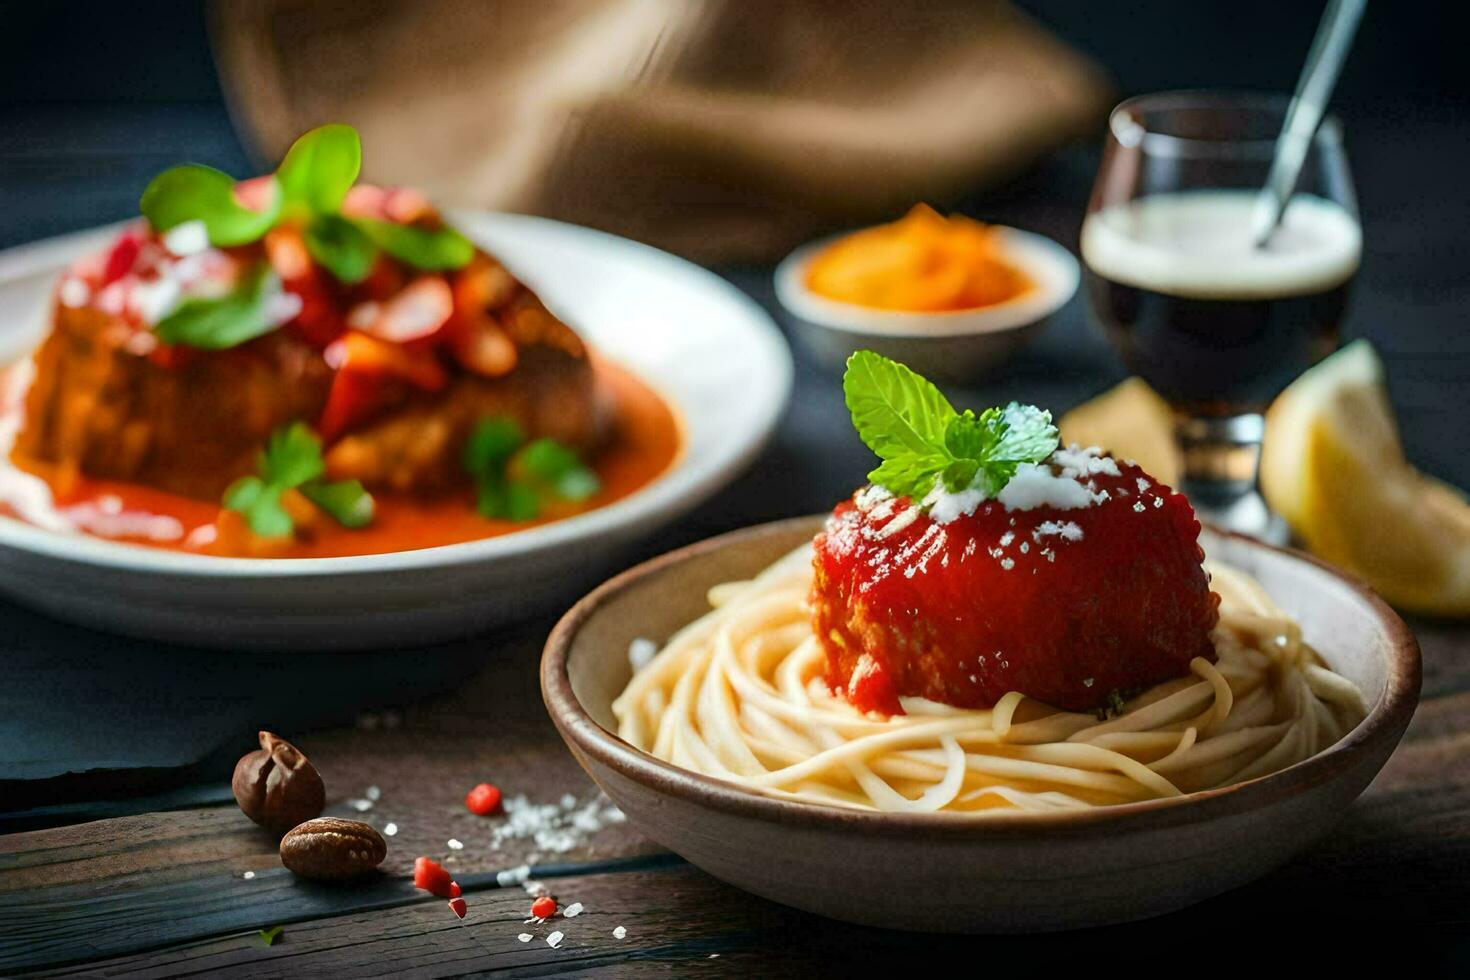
<point x="309" y="188"/>
<point x="516" y="479"/>
<point x="292" y="460"/>
<point x="922" y="440"/>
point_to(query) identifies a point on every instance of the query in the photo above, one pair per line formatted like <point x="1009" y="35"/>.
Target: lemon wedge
<point x="1334" y="468"/>
<point x="1131" y="421"/>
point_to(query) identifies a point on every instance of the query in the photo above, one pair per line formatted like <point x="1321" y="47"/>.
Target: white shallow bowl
<point x="705" y="346"/>
<point x="959" y="346"/>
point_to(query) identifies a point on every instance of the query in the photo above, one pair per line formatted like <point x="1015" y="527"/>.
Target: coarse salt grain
<point x="361" y="806"/>
<point x="525" y="937"/>
<point x="573" y="910"/>
<point x="513" y="877"/>
<point x="620" y="933"/>
<point x="554" y="940"/>
<point x="1067" y="530"/>
<point x="554" y="828"/>
<point x="390" y="829"/>
<point x="455" y="844"/>
<point x="248" y="875"/>
<point x="373" y="793"/>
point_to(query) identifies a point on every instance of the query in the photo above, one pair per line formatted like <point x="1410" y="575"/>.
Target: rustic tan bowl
<point x="1009" y="872"/>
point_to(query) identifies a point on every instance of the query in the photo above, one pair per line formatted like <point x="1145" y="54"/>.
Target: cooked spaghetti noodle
<point x="739" y="694"/>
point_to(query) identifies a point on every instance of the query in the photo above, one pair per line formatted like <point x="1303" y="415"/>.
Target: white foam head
<point x="1198" y="244"/>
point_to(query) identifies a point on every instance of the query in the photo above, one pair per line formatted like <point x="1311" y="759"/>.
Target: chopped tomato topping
<point x="544" y="907"/>
<point x="430" y="876"/>
<point x="483" y="800"/>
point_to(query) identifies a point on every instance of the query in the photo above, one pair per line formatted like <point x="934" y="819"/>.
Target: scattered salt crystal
<point x="1007" y="538"/>
<point x="1076" y="462"/>
<point x="533" y="887"/>
<point x="640" y="652"/>
<point x="944" y="506"/>
<point x="525" y="937"/>
<point x="390" y="829"/>
<point x="1138" y="507"/>
<point x="620" y="932"/>
<point x="1088" y="681"/>
<point x="513" y="877"/>
<point x="1025" y="547"/>
<point x="1142" y="484"/>
<point x="554" y="940"/>
<point x="568" y="801"/>
<point x="554" y="828"/>
<point x="455" y="844"/>
<point x="373" y="793"/>
<point x="1068" y="530"/>
<point x="573" y="910"/>
<point x="908" y="515"/>
<point x="1037" y="486"/>
<point x="361" y="806"/>
<point x="1158" y="501"/>
<point x="1007" y="564"/>
<point x="248" y="875"/>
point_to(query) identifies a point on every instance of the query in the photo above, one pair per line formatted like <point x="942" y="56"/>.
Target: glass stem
<point x="1221" y="456"/>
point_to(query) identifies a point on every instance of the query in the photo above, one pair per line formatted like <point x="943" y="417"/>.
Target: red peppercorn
<point x="483" y="800"/>
<point x="454" y="891"/>
<point x="430" y="875"/>
<point x="457" y="905"/>
<point x="544" y="907"/>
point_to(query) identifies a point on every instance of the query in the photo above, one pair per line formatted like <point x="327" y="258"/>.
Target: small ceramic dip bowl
<point x="993" y="872"/>
<point x="960" y="345"/>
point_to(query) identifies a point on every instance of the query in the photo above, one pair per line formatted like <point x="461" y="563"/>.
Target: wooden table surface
<point x="165" y="893"/>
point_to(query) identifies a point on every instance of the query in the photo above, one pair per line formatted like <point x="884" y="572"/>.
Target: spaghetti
<point x="739" y="695"/>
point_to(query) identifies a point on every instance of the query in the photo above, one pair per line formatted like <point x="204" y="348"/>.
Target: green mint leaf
<point x="341" y="247"/>
<point x="321" y="166"/>
<point x="909" y="476"/>
<point x="506" y="500"/>
<point x="226" y="321"/>
<point x="895" y="411"/>
<point x="430" y="249"/>
<point x="269" y="936"/>
<point x="1029" y="435"/>
<point x="292" y="456"/>
<point x="960" y="474"/>
<point x="194" y="192"/>
<point x="346" y="501"/>
<point x="243" y="493"/>
<point x="971" y="437"/>
<point x="491" y="444"/>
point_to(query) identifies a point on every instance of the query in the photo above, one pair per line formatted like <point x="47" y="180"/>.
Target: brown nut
<point x="330" y="849"/>
<point x="277" y="786"/>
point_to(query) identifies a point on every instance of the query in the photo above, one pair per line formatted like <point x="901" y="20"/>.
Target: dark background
<point x="95" y="98"/>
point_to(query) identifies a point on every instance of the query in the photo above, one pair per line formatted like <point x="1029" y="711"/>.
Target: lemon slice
<point x="1130" y="421"/>
<point x="1334" y="468"/>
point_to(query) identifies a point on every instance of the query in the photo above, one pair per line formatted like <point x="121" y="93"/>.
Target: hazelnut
<point x="277" y="786"/>
<point x="330" y="849"/>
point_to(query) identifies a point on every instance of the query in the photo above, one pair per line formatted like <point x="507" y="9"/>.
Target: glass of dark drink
<point x="1216" y="324"/>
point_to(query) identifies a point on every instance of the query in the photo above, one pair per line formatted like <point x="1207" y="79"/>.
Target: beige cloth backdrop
<point x="720" y="129"/>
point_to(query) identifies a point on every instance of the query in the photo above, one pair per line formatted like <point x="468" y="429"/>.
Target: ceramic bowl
<point x="709" y="350"/>
<point x="960" y="346"/>
<point x="1006" y="872"/>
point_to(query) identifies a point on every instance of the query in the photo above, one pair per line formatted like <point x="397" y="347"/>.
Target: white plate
<point x="703" y="344"/>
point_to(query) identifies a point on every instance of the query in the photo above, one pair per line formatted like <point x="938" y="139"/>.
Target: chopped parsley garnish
<point x="922" y="440"/>
<point x="269" y="936"/>
<point x="292" y="460"/>
<point x="307" y="190"/>
<point x="516" y="479"/>
<point x="224" y="321"/>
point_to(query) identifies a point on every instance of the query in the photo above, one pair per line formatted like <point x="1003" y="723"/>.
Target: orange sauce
<point x="646" y="441"/>
<point x="922" y="263"/>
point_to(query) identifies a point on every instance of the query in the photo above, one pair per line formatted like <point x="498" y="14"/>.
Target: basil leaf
<point x="321" y="167"/>
<point x="341" y="246"/>
<point x="194" y="192"/>
<point x="894" y="410"/>
<point x="491" y="443"/>
<point x="226" y="321"/>
<point x="346" y="500"/>
<point x="430" y="249"/>
<point x="292" y="456"/>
